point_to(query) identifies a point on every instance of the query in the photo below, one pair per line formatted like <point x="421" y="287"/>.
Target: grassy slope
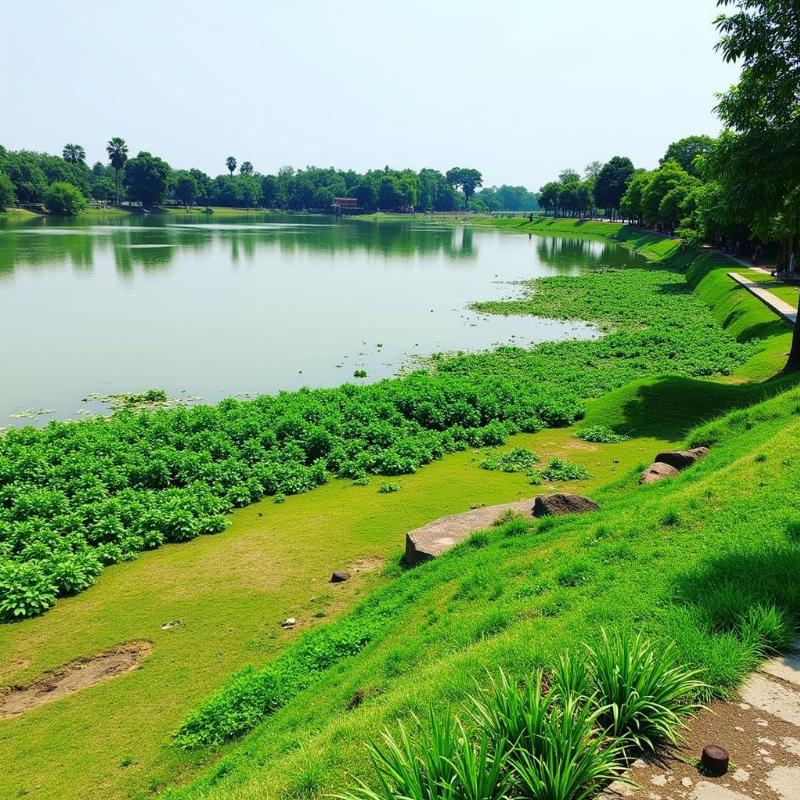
<point x="659" y="559"/>
<point x="232" y="590"/>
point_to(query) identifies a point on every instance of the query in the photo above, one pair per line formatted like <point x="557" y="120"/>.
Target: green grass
<point x="648" y="561"/>
<point x="11" y="215"/>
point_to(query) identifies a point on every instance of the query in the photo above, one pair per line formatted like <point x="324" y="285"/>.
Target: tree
<point x="568" y="176"/>
<point x="468" y="179"/>
<point x="64" y="198"/>
<point x="763" y="37"/>
<point x="74" y="154"/>
<point x="612" y="181"/>
<point x="686" y="151"/>
<point x="117" y="156"/>
<point x="548" y="197"/>
<point x="669" y="181"/>
<point x="592" y="169"/>
<point x="185" y="188"/>
<point x="230" y="163"/>
<point x="390" y="193"/>
<point x="630" y="206"/>
<point x="245" y="169"/>
<point x="146" y="178"/>
<point x="8" y="196"/>
<point x="30" y="183"/>
<point x="366" y="194"/>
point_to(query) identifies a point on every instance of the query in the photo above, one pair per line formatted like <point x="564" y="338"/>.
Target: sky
<point x="519" y="89"/>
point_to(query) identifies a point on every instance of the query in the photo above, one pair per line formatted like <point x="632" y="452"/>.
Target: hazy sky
<point x="517" y="89"/>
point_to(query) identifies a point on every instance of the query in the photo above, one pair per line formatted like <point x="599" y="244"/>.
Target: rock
<point x="435" y="538"/>
<point x="168" y="626"/>
<point x="546" y="505"/>
<point x="680" y="459"/>
<point x="290" y="622"/>
<point x="657" y="471"/>
<point x="340" y="576"/>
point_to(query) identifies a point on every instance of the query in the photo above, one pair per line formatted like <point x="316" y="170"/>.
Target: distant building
<point x="344" y="205"/>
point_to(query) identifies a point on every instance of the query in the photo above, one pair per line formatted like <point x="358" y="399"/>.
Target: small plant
<point x="279" y="498"/>
<point x="363" y="480"/>
<point x="388" y="487"/>
<point x="642" y="693"/>
<point x="767" y="628"/>
<point x="560" y="470"/>
<point x="509" y="515"/>
<point x="601" y="434"/>
<point x="519" y="459"/>
<point x="360" y="373"/>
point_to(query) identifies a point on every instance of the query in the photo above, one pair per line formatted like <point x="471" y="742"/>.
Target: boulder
<point x="340" y="576"/>
<point x="435" y="538"/>
<point x="553" y="505"/>
<point x="680" y="459"/>
<point x="657" y="471"/>
<point x="290" y="622"/>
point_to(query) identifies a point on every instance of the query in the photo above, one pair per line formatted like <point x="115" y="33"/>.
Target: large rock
<point x="437" y="537"/>
<point x="340" y="576"/>
<point x="553" y="505"/>
<point x="656" y="472"/>
<point x="680" y="459"/>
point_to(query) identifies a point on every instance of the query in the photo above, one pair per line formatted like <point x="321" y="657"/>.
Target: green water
<point x="244" y="306"/>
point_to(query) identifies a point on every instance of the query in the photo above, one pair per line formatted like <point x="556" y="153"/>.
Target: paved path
<point x="760" y="728"/>
<point x="780" y="307"/>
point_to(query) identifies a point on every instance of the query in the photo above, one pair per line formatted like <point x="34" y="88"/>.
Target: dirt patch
<point x="72" y="677"/>
<point x="367" y="564"/>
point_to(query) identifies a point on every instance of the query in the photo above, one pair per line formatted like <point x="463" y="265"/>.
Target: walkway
<point x="780" y="307"/>
<point x="760" y="728"/>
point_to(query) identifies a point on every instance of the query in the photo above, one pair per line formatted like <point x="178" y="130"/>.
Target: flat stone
<point x="706" y="790"/>
<point x="773" y="698"/>
<point x="439" y="536"/>
<point x="791" y="745"/>
<point x="554" y="505"/>
<point x="657" y="471"/>
<point x="680" y="459"/>
<point x="785" y="782"/>
<point x="787" y="668"/>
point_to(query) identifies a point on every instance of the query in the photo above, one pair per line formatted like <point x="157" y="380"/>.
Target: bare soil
<point x="72" y="677"/>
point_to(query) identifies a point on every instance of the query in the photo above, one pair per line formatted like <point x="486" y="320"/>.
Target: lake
<point x="209" y="309"/>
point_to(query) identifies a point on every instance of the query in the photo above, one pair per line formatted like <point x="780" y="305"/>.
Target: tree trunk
<point x="116" y="184"/>
<point x="793" y="363"/>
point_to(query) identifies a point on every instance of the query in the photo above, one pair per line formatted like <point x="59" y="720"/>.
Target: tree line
<point x="64" y="184"/>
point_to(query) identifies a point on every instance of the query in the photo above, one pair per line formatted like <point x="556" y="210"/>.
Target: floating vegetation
<point x="30" y="413"/>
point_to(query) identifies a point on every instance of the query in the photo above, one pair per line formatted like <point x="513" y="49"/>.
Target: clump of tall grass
<point x="560" y="736"/>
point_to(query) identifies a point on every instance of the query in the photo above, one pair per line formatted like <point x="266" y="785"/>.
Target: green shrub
<point x="642" y="693"/>
<point x="767" y="628"/>
<point x="601" y="434"/>
<point x="64" y="198"/>
<point x="560" y="470"/>
<point x="387" y="487"/>
<point x="519" y="459"/>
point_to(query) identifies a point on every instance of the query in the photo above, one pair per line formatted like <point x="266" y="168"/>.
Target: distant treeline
<point x="65" y="183"/>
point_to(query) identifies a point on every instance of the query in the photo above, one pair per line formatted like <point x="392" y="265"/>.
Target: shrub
<point x="560" y="470"/>
<point x="767" y="628"/>
<point x="601" y="434"/>
<point x="26" y="589"/>
<point x="387" y="487"/>
<point x="642" y="693"/>
<point x="519" y="459"/>
<point x="64" y="198"/>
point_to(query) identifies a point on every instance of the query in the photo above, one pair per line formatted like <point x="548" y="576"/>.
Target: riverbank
<point x="235" y="589"/>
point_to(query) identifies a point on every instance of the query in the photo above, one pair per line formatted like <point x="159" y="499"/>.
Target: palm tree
<point x="246" y="168"/>
<point x="230" y="163"/>
<point x="117" y="155"/>
<point x="74" y="153"/>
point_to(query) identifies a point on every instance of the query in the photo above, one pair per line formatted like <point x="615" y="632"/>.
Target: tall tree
<point x="117" y="156"/>
<point x="146" y="178"/>
<point x="74" y="154"/>
<point x="686" y="151"/>
<point x="611" y="183"/>
<point x="245" y="169"/>
<point x="763" y="37"/>
<point x="230" y="163"/>
<point x="468" y="179"/>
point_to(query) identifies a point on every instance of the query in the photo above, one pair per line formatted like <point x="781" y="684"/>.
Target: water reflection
<point x="154" y="243"/>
